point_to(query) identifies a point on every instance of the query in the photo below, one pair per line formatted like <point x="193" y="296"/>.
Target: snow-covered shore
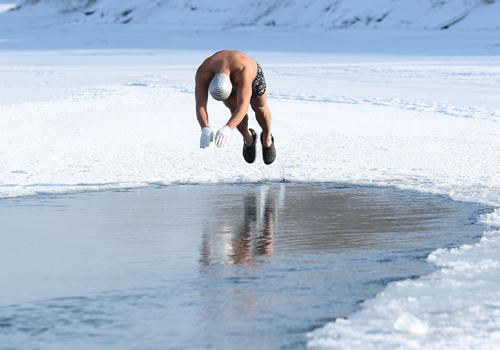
<point x="79" y="119"/>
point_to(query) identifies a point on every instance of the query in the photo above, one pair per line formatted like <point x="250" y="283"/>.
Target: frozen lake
<point x="221" y="266"/>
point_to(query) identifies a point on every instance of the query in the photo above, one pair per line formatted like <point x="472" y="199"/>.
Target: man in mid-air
<point x="238" y="81"/>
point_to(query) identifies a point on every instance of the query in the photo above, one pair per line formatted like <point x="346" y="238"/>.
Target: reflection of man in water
<point x="244" y="243"/>
<point x="238" y="81"/>
<point x="245" y="246"/>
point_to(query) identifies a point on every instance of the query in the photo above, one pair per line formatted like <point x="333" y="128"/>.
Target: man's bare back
<point x="236" y="79"/>
<point x="237" y="63"/>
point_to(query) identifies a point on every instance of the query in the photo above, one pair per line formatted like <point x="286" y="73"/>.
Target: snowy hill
<point x="313" y="14"/>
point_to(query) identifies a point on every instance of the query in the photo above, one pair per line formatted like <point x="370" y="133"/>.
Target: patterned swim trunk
<point x="258" y="84"/>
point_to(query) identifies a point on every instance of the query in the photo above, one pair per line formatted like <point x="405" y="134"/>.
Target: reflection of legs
<point x="263" y="116"/>
<point x="243" y="126"/>
<point x="241" y="238"/>
<point x="250" y="203"/>
<point x="264" y="244"/>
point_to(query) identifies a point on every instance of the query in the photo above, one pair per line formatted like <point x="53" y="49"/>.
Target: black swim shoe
<point x="249" y="152"/>
<point x="268" y="153"/>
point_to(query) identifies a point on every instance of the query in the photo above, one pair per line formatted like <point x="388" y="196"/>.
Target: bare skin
<point x="242" y="70"/>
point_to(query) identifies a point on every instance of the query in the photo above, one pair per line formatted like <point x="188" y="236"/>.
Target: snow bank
<point x="317" y="14"/>
<point x="77" y="121"/>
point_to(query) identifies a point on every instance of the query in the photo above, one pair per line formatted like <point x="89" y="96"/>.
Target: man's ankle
<point x="248" y="138"/>
<point x="267" y="139"/>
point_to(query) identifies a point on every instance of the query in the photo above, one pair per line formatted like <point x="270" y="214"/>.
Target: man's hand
<point x="207" y="136"/>
<point x="222" y="136"/>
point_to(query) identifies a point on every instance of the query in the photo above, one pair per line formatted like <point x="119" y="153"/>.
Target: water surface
<point x="209" y="266"/>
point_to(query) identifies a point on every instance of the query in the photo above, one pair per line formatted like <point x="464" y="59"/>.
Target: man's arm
<point x="243" y="100"/>
<point x="201" y="96"/>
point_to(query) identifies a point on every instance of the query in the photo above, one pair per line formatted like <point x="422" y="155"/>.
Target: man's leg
<point x="263" y="116"/>
<point x="243" y="126"/>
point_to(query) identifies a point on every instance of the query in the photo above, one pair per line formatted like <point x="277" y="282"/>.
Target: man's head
<point x="220" y="87"/>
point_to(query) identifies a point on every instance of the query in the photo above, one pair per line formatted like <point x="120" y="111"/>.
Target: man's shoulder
<point x="202" y="73"/>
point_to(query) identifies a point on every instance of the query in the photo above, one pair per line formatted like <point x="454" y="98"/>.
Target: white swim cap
<point x="220" y="87"/>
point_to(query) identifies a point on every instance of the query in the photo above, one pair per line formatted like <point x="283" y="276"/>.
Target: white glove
<point x="222" y="136"/>
<point x="207" y="136"/>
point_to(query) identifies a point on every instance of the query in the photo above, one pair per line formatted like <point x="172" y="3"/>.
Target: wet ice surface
<point x="210" y="266"/>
